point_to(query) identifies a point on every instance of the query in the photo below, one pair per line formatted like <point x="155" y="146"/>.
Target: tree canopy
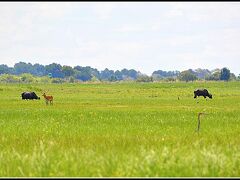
<point x="225" y="74"/>
<point x="187" y="76"/>
<point x="80" y="73"/>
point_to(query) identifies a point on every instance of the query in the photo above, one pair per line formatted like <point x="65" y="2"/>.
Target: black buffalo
<point x="202" y="92"/>
<point x="29" y="95"/>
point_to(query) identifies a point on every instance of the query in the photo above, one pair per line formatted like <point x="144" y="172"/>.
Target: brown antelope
<point x="48" y="98"/>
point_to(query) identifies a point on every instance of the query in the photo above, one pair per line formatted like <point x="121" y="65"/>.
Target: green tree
<point x="27" y="77"/>
<point x="232" y="77"/>
<point x="94" y="79"/>
<point x="215" y="76"/>
<point x="118" y="75"/>
<point x="23" y="67"/>
<point x="39" y="70"/>
<point x="129" y="74"/>
<point x="67" y="71"/>
<point x="160" y="74"/>
<point x="85" y="73"/>
<point x="82" y="75"/>
<point x="187" y="76"/>
<point x="106" y="74"/>
<point x="112" y="78"/>
<point x="225" y="74"/>
<point x="71" y="79"/>
<point x="4" y="69"/>
<point x="55" y="69"/>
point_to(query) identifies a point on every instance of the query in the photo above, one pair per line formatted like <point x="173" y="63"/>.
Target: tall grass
<point x="120" y="130"/>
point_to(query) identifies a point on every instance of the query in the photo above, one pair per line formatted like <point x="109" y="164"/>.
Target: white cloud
<point x="212" y="49"/>
<point x="51" y="9"/>
<point x="103" y="10"/>
<point x="111" y="54"/>
<point x="177" y="36"/>
<point x="174" y="13"/>
<point x="205" y="11"/>
<point x="130" y="28"/>
<point x="20" y="22"/>
<point x="180" y="40"/>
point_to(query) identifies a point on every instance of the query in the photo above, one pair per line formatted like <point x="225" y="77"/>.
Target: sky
<point x="145" y="36"/>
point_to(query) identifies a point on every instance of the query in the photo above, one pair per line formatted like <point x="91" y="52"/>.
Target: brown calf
<point x="48" y="98"/>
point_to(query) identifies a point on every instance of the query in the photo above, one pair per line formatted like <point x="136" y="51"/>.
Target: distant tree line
<point x="80" y="73"/>
<point x="56" y="73"/>
<point x="223" y="74"/>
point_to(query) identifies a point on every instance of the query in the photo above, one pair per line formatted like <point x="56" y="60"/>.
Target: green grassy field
<point x="120" y="130"/>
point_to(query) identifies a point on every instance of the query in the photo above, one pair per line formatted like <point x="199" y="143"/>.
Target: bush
<point x="57" y="80"/>
<point x="8" y="78"/>
<point x="144" y="78"/>
<point x="27" y="78"/>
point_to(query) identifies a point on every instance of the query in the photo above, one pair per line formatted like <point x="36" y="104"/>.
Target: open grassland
<point x="120" y="130"/>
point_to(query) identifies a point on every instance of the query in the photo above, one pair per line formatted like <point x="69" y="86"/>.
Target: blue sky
<point x="145" y="36"/>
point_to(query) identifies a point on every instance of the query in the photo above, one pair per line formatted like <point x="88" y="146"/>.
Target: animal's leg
<point x="196" y="98"/>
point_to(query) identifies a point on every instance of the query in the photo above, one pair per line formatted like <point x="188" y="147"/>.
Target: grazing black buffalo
<point x="29" y="95"/>
<point x="202" y="92"/>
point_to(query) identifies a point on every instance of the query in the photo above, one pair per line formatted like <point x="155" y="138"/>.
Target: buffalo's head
<point x="210" y="96"/>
